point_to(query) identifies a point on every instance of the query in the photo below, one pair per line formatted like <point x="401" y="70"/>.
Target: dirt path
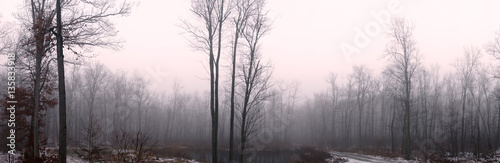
<point x="359" y="158"/>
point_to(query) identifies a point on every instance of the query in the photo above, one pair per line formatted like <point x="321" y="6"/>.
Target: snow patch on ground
<point x="360" y="158"/>
<point x="470" y="157"/>
<point x="4" y="157"/>
<point x="176" y="160"/>
<point x="75" y="159"/>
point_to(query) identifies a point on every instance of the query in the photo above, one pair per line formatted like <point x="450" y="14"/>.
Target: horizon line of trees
<point x="408" y="107"/>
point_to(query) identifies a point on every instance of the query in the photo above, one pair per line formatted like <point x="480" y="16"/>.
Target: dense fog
<point x="61" y="104"/>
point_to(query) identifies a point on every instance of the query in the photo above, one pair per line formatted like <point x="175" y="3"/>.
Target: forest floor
<point x="379" y="157"/>
<point x="311" y="154"/>
<point x="470" y="157"/>
<point x="362" y="158"/>
<point x="4" y="157"/>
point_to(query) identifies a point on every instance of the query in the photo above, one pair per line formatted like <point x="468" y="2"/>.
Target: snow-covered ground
<point x="4" y="157"/>
<point x="176" y="160"/>
<point x="74" y="159"/>
<point x="359" y="158"/>
<point x="469" y="157"/>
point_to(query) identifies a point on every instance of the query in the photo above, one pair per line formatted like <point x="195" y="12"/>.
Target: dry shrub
<point x="176" y="151"/>
<point x="312" y="155"/>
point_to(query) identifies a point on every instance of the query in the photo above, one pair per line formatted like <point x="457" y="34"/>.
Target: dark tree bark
<point x="62" y="87"/>
<point x="40" y="23"/>
<point x="221" y="17"/>
<point x="81" y="32"/>
<point x="242" y="11"/>
<point x="255" y="76"/>
<point x="211" y="16"/>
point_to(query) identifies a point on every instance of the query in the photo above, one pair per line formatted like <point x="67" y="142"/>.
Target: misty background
<point x="412" y="80"/>
<point x="315" y="29"/>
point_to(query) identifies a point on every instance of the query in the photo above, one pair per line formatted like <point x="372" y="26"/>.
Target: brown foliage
<point x="24" y="137"/>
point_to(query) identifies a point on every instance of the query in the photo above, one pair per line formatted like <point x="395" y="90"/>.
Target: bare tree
<point x="74" y="82"/>
<point x="423" y="88"/>
<point x="484" y="86"/>
<point x="255" y="75"/>
<point x="140" y="92"/>
<point x="94" y="77"/>
<point x="493" y="47"/>
<point x="121" y="143"/>
<point x="361" y="79"/>
<point x="280" y="110"/>
<point x="119" y="90"/>
<point x="243" y="10"/>
<point x="62" y="86"/>
<point x="496" y="93"/>
<point x="92" y="146"/>
<point x="207" y="37"/>
<point x="82" y="29"/>
<point x="41" y="22"/>
<point x="333" y="94"/>
<point x="393" y="90"/>
<point x="143" y="144"/>
<point x="466" y="67"/>
<point x="403" y="53"/>
<point x="178" y="104"/>
<point x="436" y="94"/>
<point x="348" y="111"/>
<point x="256" y="83"/>
<point x="289" y="92"/>
<point x="374" y="88"/>
<point x="6" y="42"/>
<point x="87" y="26"/>
<point x="452" y="124"/>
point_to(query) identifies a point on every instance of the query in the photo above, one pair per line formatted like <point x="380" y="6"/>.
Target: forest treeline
<point x="407" y="108"/>
<point x="358" y="110"/>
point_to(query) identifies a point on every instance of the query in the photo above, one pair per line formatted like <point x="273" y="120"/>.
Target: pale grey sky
<point x="305" y="42"/>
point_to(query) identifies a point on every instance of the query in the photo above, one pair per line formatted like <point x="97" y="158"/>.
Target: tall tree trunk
<point x="373" y="116"/>
<point x="212" y="95"/>
<point x="243" y="137"/>
<point x="462" y="143"/>
<point x="393" y="144"/>
<point x="39" y="41"/>
<point x="333" y="124"/>
<point x="139" y="115"/>
<point x="216" y="85"/>
<point x="498" y="128"/>
<point x="425" y="124"/>
<point x="245" y="108"/>
<point x="34" y="118"/>
<point x="233" y="77"/>
<point x="406" y="128"/>
<point x="212" y="110"/>
<point x="62" y="87"/>
<point x="360" y="138"/>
